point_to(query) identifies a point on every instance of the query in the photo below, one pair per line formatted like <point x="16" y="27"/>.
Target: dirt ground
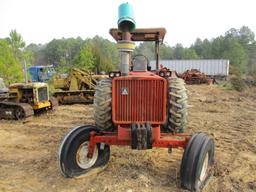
<point x="28" y="150"/>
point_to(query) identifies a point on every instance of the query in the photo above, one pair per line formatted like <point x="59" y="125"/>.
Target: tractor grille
<point x="42" y="94"/>
<point x="139" y="100"/>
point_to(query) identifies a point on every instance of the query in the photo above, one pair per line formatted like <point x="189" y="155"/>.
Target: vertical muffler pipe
<point x="126" y="24"/>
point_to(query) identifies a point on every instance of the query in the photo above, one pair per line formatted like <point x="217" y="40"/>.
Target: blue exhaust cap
<point x="126" y="22"/>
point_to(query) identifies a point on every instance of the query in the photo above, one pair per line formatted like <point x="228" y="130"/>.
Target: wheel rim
<point x="204" y="167"/>
<point x="19" y="113"/>
<point x="81" y="156"/>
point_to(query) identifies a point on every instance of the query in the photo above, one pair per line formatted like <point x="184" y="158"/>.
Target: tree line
<point x="96" y="54"/>
<point x="99" y="54"/>
<point x="237" y="45"/>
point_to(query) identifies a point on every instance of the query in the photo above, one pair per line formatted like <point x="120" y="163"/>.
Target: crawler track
<point x="18" y="111"/>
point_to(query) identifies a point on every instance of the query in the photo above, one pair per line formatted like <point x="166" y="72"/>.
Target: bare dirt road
<point x="28" y="150"/>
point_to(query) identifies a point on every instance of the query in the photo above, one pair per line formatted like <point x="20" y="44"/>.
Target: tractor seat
<point x="140" y="63"/>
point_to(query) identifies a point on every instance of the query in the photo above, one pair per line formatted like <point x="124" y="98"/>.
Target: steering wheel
<point x="140" y="63"/>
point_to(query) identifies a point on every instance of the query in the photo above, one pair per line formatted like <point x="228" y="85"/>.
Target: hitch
<point x="141" y="136"/>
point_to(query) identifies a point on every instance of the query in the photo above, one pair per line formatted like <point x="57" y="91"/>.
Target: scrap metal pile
<point x="194" y="76"/>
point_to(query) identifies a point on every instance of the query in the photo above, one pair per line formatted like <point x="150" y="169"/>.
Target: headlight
<point x="111" y="74"/>
<point x="168" y="73"/>
<point x="114" y="74"/>
<point x="161" y="74"/>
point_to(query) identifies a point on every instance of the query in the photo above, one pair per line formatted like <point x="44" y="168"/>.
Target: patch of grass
<point x="238" y="83"/>
<point x="234" y="83"/>
<point x="226" y="86"/>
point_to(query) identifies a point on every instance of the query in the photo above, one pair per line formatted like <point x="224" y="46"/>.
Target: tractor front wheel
<point x="73" y="153"/>
<point x="197" y="162"/>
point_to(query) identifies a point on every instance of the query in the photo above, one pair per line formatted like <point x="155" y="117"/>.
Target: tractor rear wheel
<point x="197" y="162"/>
<point x="73" y="152"/>
<point x="176" y="106"/>
<point x="103" y="104"/>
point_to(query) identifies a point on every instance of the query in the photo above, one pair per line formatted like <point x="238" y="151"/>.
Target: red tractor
<point x="140" y="108"/>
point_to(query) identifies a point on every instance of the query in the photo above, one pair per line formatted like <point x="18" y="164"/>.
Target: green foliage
<point x="207" y="49"/>
<point x="237" y="83"/>
<point x="178" y="51"/>
<point x="85" y="58"/>
<point x="99" y="54"/>
<point x="218" y="47"/>
<point x="166" y="52"/>
<point x="251" y="52"/>
<point x="17" y="43"/>
<point x="189" y="53"/>
<point x="10" y="69"/>
<point x="234" y="83"/>
<point x="16" y="40"/>
<point x="105" y="54"/>
<point x="198" y="47"/>
<point x="244" y="35"/>
<point x="29" y="57"/>
<point x="233" y="70"/>
<point x="62" y="53"/>
<point x="238" y="45"/>
<point x="96" y="54"/>
<point x="226" y="86"/>
<point x="235" y="53"/>
<point x="38" y="56"/>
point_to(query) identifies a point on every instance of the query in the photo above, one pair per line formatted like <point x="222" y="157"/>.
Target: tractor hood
<point x="4" y="90"/>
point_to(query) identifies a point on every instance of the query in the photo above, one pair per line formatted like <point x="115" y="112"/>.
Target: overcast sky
<point x="40" y="21"/>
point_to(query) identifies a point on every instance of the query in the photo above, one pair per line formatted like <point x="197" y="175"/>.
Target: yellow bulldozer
<point x="22" y="100"/>
<point x="76" y="87"/>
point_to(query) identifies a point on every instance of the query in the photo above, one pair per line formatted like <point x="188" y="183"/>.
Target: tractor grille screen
<point x="139" y="100"/>
<point x="42" y="94"/>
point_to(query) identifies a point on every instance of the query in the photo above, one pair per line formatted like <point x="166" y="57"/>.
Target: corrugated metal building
<point x="215" y="67"/>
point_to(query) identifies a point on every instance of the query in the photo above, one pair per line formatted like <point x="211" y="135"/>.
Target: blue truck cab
<point x="41" y="73"/>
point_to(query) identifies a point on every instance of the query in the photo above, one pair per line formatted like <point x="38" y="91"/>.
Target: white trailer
<point x="211" y="67"/>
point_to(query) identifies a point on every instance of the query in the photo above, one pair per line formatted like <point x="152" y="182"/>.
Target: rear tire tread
<point x="177" y="105"/>
<point x="103" y="104"/>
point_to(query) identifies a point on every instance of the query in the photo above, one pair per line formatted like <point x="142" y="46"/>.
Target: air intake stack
<point x="126" y="24"/>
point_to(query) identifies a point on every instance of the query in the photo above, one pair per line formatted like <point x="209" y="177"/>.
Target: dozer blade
<point x="75" y="97"/>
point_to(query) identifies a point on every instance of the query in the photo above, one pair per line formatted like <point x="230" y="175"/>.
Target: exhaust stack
<point x="126" y="24"/>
